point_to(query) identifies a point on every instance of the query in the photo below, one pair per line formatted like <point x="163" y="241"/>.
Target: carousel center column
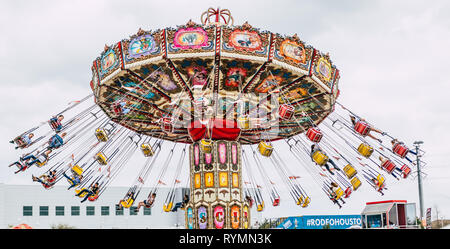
<point x="216" y="200"/>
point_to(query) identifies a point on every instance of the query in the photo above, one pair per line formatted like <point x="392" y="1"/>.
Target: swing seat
<point x="405" y="170"/>
<point x="47" y="186"/>
<point x="54" y="123"/>
<point x="314" y="134"/>
<point x="77" y="170"/>
<point x="355" y="183"/>
<point x="365" y="150"/>
<point x="300" y="201"/>
<point x="93" y="198"/>
<point x="339" y="193"/>
<point x="117" y="108"/>
<point x="101" y="135"/>
<point x="349" y="171"/>
<point x="168" y="207"/>
<point x="306" y="203"/>
<point x="20" y="143"/>
<point x="206" y="146"/>
<point x="39" y="164"/>
<point x="276" y="202"/>
<point x="71" y="181"/>
<point x="244" y="122"/>
<point x="79" y="190"/>
<point x="128" y="203"/>
<point x="347" y="192"/>
<point x="147" y="150"/>
<point x="400" y="150"/>
<point x="320" y="158"/>
<point x="362" y="128"/>
<point x="265" y="148"/>
<point x="166" y="125"/>
<point x="389" y="166"/>
<point x="380" y="180"/>
<point x="260" y="207"/>
<point x="101" y="158"/>
<point x="286" y="112"/>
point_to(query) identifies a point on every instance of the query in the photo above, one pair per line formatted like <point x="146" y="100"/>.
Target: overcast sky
<point x="393" y="57"/>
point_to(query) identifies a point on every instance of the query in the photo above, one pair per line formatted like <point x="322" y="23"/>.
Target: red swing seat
<point x="388" y="165"/>
<point x="405" y="170"/>
<point x="314" y="134"/>
<point x="285" y="111"/>
<point x="54" y="123"/>
<point x="362" y="128"/>
<point x="117" y="108"/>
<point x="276" y="202"/>
<point x="166" y="124"/>
<point x="400" y="150"/>
<point x="93" y="197"/>
<point x="347" y="192"/>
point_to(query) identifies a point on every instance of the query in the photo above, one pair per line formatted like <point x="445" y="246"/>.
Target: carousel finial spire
<point x="218" y="15"/>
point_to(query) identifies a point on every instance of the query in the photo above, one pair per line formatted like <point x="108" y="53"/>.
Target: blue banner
<point x="321" y="221"/>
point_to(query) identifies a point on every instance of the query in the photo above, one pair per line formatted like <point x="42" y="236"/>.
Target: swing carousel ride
<point x="224" y="93"/>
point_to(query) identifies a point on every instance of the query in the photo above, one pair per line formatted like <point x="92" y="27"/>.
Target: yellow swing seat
<point x="101" y="135"/>
<point x="79" y="190"/>
<point x="380" y="180"/>
<point x="77" y="170"/>
<point x="320" y="158"/>
<point x="206" y="146"/>
<point x="300" y="201"/>
<point x="168" y="207"/>
<point x="39" y="164"/>
<point x="128" y="203"/>
<point x="365" y="150"/>
<point x="147" y="150"/>
<point x="355" y="183"/>
<point x="70" y="181"/>
<point x="349" y="171"/>
<point x="101" y="158"/>
<point x="306" y="203"/>
<point x="260" y="207"/>
<point x="265" y="149"/>
<point x="339" y="193"/>
<point x="244" y="122"/>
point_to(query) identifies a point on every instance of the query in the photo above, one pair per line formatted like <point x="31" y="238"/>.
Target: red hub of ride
<point x="218" y="129"/>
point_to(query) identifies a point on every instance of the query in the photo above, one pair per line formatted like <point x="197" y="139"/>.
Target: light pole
<point x="419" y="175"/>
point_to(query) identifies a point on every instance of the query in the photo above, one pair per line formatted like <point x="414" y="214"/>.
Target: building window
<point x="43" y="210"/>
<point x="147" y="211"/>
<point x="119" y="210"/>
<point x="374" y="221"/>
<point x="59" y="211"/>
<point x="27" y="210"/>
<point x="90" y="210"/>
<point x="133" y="211"/>
<point x="75" y="211"/>
<point x="105" y="210"/>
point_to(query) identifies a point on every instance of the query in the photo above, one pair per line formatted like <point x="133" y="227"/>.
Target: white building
<point x="41" y="208"/>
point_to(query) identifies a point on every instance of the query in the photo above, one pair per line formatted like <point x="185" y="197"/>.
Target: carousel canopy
<point x="199" y="71"/>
